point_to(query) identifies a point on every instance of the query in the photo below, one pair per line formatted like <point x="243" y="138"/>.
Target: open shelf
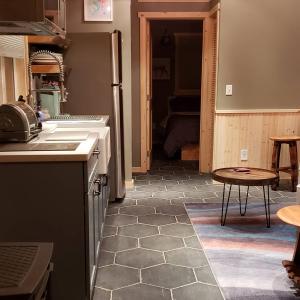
<point x="45" y="69"/>
<point x="49" y="40"/>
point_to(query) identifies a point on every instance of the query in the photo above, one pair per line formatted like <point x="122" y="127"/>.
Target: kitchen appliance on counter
<point x="95" y="86"/>
<point x="18" y="123"/>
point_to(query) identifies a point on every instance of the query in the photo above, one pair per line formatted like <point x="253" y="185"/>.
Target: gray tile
<point x="168" y="195"/>
<point x="216" y="200"/>
<point x="197" y="291"/>
<point x="163" y="182"/>
<point x="125" y="202"/>
<point x="176" y="177"/>
<point x="141" y="292"/>
<point x="141" y="182"/>
<point x="177" y="230"/>
<point x="118" y="243"/>
<point x="183" y="219"/>
<point x="138" y="230"/>
<point x="200" y="194"/>
<point x="148" y="177"/>
<point x="111" y="210"/>
<point x="186" y="200"/>
<point x="172" y="167"/>
<point x="186" y="257"/>
<point x="119" y="220"/>
<point x="205" y="275"/>
<point x="180" y="188"/>
<point x="168" y="276"/>
<point x="154" y="202"/>
<point x="172" y="210"/>
<point x="192" y="242"/>
<point x="156" y="219"/>
<point x="106" y="258"/>
<point x="210" y="188"/>
<point x="139" y="258"/>
<point x="200" y="176"/>
<point x="259" y="194"/>
<point x="194" y="182"/>
<point x="161" y="243"/>
<point x="113" y="277"/>
<point x="100" y="294"/>
<point x="151" y="188"/>
<point x="161" y="172"/>
<point x="109" y="230"/>
<point x="138" y="195"/>
<point x="137" y="210"/>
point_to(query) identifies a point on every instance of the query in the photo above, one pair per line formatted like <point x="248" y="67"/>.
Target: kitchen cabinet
<point x="60" y="202"/>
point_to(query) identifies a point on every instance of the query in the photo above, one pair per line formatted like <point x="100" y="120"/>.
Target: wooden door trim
<point x="185" y="1"/>
<point x="161" y="15"/>
<point x="204" y="134"/>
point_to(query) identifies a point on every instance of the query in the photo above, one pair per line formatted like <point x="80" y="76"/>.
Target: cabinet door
<point x="91" y="232"/>
<point x="97" y="216"/>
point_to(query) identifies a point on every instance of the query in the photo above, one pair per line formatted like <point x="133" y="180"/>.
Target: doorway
<point x="208" y="83"/>
<point x="176" y="57"/>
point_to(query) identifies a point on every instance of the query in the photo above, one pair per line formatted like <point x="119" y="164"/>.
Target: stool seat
<point x="290" y="215"/>
<point x="292" y="169"/>
<point x="285" y="138"/>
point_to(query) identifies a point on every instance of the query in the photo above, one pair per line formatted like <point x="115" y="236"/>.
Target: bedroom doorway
<point x="209" y="21"/>
<point x="176" y="56"/>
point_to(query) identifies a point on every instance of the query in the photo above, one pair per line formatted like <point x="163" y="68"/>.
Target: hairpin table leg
<point x="223" y="217"/>
<point x="245" y="208"/>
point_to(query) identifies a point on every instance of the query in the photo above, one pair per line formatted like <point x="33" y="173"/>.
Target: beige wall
<point x="259" y="54"/>
<point x="121" y="21"/>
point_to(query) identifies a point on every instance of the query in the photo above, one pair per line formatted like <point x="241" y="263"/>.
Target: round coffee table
<point x="245" y="177"/>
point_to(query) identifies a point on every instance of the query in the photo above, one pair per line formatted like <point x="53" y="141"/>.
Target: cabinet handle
<point x="105" y="180"/>
<point x="96" y="152"/>
<point x="96" y="193"/>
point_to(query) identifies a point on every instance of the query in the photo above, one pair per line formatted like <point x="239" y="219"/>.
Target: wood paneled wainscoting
<point x="251" y="130"/>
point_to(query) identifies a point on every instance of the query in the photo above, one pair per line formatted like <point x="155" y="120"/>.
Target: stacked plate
<point x="47" y="59"/>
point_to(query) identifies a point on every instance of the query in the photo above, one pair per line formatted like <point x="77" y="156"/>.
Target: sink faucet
<point x="63" y="93"/>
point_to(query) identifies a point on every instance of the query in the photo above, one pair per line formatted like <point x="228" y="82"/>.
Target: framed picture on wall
<point x="98" y="10"/>
<point x="161" y="69"/>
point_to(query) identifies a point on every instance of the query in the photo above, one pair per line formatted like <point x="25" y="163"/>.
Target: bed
<point x="182" y="124"/>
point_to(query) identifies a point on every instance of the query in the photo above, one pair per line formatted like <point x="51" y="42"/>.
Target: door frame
<point x="207" y="114"/>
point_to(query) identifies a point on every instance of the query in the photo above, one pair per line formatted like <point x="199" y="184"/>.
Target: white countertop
<point x="82" y="153"/>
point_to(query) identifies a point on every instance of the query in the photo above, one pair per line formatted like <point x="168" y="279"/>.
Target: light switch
<point x="228" y="89"/>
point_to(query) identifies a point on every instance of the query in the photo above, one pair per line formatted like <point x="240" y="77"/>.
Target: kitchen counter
<point x="82" y="153"/>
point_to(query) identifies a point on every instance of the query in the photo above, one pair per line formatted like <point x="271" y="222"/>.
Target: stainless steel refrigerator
<point x="94" y="83"/>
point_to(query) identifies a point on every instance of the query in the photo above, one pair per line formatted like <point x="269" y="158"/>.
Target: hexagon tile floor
<point x="150" y="250"/>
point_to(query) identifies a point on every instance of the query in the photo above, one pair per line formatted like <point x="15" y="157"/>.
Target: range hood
<point x="32" y="17"/>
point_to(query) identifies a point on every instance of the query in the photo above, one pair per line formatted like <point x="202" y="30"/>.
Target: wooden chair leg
<point x="294" y="165"/>
<point x="275" y="162"/>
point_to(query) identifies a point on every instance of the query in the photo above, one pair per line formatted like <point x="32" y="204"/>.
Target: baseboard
<point x="129" y="184"/>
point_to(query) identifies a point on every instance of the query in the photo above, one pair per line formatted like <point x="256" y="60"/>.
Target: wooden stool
<point x="291" y="215"/>
<point x="293" y="168"/>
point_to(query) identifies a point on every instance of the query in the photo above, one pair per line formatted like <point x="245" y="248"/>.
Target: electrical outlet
<point x="228" y="89"/>
<point x="244" y="154"/>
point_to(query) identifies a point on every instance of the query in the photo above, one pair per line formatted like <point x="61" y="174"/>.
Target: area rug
<point x="245" y="255"/>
